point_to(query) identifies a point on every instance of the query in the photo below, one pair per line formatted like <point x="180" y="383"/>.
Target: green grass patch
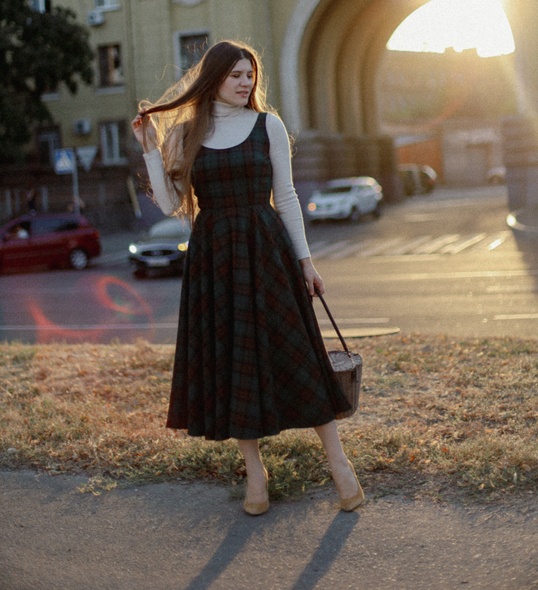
<point x="460" y="412"/>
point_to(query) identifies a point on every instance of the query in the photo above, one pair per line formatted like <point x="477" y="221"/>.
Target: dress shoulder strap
<point x="262" y="117"/>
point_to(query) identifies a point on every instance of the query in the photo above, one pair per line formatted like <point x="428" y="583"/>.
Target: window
<point x="51" y="225"/>
<point x="110" y="66"/>
<point x="48" y="140"/>
<point x="191" y="48"/>
<point x="41" y="5"/>
<point x="107" y="4"/>
<point x="113" y="142"/>
<point x="20" y="230"/>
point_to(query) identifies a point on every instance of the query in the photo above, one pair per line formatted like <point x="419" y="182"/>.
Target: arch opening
<point x="340" y="50"/>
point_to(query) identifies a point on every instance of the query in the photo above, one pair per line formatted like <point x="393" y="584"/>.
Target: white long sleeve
<point x="284" y="195"/>
<point x="165" y="196"/>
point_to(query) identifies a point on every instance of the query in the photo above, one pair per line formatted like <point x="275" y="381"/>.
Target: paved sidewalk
<point x="177" y="536"/>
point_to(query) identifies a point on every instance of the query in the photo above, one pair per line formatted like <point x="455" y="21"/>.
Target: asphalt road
<point x="441" y="264"/>
<point x="445" y="263"/>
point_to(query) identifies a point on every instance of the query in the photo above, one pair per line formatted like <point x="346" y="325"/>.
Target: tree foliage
<point x="38" y="52"/>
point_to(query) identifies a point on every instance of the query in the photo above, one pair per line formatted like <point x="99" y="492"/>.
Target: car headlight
<point x="311" y="206"/>
<point x="183" y="246"/>
<point x="133" y="249"/>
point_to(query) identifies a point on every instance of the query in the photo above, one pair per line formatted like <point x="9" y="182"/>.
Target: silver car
<point x="346" y="198"/>
<point x="162" y="249"/>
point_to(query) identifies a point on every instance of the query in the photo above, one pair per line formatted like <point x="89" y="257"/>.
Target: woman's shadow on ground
<point x="243" y="529"/>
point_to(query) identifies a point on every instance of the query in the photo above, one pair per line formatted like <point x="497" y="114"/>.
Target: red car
<point x="48" y="240"/>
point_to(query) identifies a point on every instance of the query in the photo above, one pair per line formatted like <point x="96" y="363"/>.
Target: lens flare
<point x="116" y="302"/>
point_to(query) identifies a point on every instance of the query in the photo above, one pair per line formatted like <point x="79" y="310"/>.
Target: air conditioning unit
<point x="82" y="126"/>
<point x="95" y="18"/>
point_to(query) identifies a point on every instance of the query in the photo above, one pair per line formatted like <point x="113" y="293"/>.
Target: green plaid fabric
<point x="250" y="360"/>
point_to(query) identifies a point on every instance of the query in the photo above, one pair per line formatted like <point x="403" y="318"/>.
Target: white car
<point x="346" y="198"/>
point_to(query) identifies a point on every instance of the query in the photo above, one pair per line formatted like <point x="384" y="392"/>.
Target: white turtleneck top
<point x="232" y="126"/>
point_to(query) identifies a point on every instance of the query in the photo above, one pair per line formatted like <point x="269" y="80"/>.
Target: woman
<point x="250" y="360"/>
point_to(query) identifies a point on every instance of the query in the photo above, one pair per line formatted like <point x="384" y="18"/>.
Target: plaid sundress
<point x="250" y="360"/>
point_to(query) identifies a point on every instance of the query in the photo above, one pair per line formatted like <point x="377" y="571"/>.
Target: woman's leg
<point x="257" y="497"/>
<point x="346" y="481"/>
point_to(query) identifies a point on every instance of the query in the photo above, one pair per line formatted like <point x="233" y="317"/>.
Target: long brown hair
<point x="182" y="116"/>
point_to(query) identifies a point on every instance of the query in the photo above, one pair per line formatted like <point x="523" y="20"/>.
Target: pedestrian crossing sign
<point x="64" y="161"/>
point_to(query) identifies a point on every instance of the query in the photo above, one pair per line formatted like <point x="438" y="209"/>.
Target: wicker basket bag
<point x="347" y="367"/>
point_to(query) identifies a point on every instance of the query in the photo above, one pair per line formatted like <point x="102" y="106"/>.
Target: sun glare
<point x="461" y="24"/>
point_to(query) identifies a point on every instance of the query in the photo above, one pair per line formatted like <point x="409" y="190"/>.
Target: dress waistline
<point x="234" y="207"/>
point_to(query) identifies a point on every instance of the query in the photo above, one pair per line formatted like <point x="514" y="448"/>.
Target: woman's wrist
<point x="152" y="152"/>
<point x="306" y="263"/>
<point x="148" y="146"/>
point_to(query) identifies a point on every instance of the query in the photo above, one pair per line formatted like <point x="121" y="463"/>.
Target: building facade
<point x="322" y="60"/>
<point x="141" y="48"/>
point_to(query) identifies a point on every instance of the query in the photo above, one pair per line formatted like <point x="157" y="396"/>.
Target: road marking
<point x="463" y="244"/>
<point x="427" y="245"/>
<point x="347" y="321"/>
<point x="486" y="274"/>
<point x="510" y="289"/>
<point x="516" y="316"/>
<point x="419" y="217"/>
<point x="499" y="239"/>
<point x="360" y="332"/>
<point x="406" y="257"/>
<point x="326" y="250"/>
<point x="436" y="244"/>
<point x="379" y="246"/>
<point x="408" y="246"/>
<point x="347" y="252"/>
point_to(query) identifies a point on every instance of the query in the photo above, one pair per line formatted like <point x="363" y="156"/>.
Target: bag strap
<point x="332" y="320"/>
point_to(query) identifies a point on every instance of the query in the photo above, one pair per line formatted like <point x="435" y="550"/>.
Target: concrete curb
<point x="360" y="332"/>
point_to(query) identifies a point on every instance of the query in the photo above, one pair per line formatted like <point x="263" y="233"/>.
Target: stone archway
<point x="328" y="66"/>
<point x="329" y="60"/>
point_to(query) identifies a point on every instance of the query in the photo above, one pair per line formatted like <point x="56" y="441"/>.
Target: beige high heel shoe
<point x="349" y="504"/>
<point x="257" y="508"/>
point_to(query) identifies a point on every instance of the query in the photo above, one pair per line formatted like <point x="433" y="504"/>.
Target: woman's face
<point x="236" y="88"/>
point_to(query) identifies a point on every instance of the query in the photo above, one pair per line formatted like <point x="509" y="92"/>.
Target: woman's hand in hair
<point x="150" y="132"/>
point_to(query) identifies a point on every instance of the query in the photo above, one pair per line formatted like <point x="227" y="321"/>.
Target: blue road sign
<point x="64" y="161"/>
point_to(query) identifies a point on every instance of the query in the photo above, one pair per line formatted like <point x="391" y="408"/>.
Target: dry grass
<point x="437" y="415"/>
